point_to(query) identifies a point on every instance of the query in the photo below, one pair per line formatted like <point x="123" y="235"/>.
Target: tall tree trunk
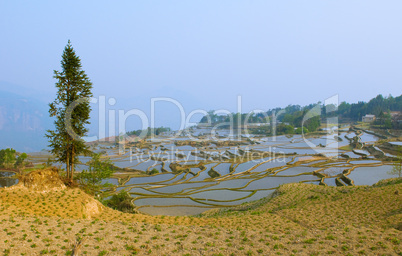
<point x="68" y="136"/>
<point x="68" y="165"/>
<point x="72" y="163"/>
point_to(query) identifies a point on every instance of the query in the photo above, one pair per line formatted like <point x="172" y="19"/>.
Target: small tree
<point x="9" y="158"/>
<point x="397" y="166"/>
<point x="121" y="201"/>
<point x="98" y="170"/>
<point x="20" y="160"/>
<point x="71" y="109"/>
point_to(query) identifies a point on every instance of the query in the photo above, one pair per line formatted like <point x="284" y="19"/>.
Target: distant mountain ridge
<point x="23" y="122"/>
<point x="24" y="116"/>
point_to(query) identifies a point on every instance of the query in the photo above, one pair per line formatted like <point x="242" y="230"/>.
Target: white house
<point x="368" y="118"/>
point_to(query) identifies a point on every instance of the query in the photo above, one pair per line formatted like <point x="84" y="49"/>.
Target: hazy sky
<point x="272" y="53"/>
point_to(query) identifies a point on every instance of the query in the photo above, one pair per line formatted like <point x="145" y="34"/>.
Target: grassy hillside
<point x="302" y="219"/>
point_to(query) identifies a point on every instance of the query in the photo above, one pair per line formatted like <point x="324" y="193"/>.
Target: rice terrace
<point x="139" y="148"/>
<point x="257" y="195"/>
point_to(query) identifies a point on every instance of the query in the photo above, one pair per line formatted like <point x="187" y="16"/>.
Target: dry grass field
<point x="302" y="219"/>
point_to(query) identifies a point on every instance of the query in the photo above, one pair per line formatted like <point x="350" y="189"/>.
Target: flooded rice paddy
<point x="7" y="179"/>
<point x="192" y="177"/>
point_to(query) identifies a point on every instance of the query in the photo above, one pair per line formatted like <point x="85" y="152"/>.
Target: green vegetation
<point x="263" y="130"/>
<point x="213" y="174"/>
<point x="71" y="109"/>
<point x="98" y="170"/>
<point x="289" y="120"/>
<point x="384" y="121"/>
<point x="153" y="171"/>
<point x="284" y="129"/>
<point x="9" y="158"/>
<point x="235" y="119"/>
<point x="150" y="131"/>
<point x="121" y="202"/>
<point x="295" y="117"/>
<point x="376" y="106"/>
<point x="286" y="121"/>
<point x="397" y="166"/>
<point x="301" y="130"/>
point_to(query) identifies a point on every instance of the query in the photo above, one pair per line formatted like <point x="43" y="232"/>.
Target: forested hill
<point x="376" y="106"/>
<point x="293" y="114"/>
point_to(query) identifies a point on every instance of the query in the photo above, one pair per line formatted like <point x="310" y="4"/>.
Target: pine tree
<point x="71" y="109"/>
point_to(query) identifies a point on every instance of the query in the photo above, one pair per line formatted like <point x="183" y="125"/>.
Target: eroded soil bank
<point x="302" y="219"/>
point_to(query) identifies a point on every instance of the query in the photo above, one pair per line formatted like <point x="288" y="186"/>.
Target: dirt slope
<point x="303" y="219"/>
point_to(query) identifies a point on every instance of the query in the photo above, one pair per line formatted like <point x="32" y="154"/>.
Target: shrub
<point x="10" y="158"/>
<point x="121" y="202"/>
<point x="98" y="170"/>
<point x="153" y="171"/>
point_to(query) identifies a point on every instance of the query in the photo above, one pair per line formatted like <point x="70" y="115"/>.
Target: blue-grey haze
<point x="203" y="53"/>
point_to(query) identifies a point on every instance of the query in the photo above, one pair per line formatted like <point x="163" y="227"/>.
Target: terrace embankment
<point x="301" y="219"/>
